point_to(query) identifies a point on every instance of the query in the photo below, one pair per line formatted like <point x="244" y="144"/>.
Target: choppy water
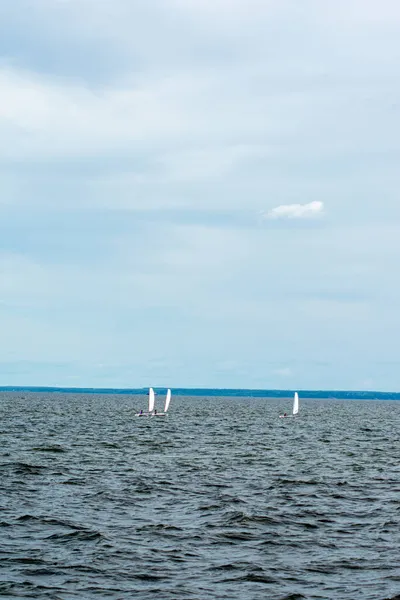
<point x="219" y="500"/>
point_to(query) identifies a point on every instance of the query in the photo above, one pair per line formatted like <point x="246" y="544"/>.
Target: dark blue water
<point x="250" y="393"/>
<point x="221" y="499"/>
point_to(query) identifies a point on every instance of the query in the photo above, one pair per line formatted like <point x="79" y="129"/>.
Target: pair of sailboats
<point x="152" y="412"/>
<point x="295" y="410"/>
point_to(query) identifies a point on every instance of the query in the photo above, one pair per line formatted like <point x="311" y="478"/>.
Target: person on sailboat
<point x="284" y="415"/>
<point x="141" y="411"/>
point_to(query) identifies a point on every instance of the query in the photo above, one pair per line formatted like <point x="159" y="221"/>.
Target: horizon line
<point x="329" y="393"/>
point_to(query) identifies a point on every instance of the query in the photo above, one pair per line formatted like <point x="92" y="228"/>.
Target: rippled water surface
<point x="221" y="499"/>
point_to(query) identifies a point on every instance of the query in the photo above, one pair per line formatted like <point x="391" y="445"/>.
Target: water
<point x="221" y="499"/>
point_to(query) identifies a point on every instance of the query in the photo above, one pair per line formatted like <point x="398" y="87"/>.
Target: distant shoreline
<point x="251" y="393"/>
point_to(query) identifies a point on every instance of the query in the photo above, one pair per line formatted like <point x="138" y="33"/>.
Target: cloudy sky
<point x="200" y="193"/>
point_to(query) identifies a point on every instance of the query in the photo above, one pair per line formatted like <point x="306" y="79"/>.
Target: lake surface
<point x="221" y="499"/>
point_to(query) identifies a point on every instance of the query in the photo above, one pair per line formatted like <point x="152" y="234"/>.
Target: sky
<point x="200" y="193"/>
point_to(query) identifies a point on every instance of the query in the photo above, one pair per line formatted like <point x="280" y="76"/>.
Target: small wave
<point x="244" y="518"/>
<point x="296" y="482"/>
<point x="232" y="499"/>
<point x="209" y="507"/>
<point x="161" y="528"/>
<point x="251" y="577"/>
<point x="149" y="577"/>
<point x="83" y="569"/>
<point x="237" y="535"/>
<point x="20" y="468"/>
<point x="232" y="566"/>
<point x="323" y="570"/>
<point x="73" y="481"/>
<point x="5" y="524"/>
<point x="109" y="445"/>
<point x="40" y="572"/>
<point x="52" y="448"/>
<point x="24" y="560"/>
<point x="51" y="521"/>
<point x="81" y="536"/>
<point x="26" y="589"/>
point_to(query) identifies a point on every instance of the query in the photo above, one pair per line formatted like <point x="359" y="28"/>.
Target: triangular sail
<point x="151" y="400"/>
<point x="296" y="404"/>
<point x="167" y="400"/>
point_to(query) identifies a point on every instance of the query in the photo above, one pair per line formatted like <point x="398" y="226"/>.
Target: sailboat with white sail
<point x="151" y="405"/>
<point x="166" y="406"/>
<point x="295" y="410"/>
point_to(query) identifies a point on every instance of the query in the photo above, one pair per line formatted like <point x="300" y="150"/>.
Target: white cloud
<point x="296" y="211"/>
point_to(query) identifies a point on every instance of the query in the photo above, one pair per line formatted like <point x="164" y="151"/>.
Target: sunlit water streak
<point x="221" y="499"/>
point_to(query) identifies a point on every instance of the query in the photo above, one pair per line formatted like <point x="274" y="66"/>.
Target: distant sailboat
<point x="167" y="400"/>
<point x="151" y="405"/>
<point x="295" y="411"/>
<point x="167" y="403"/>
<point x="151" y="400"/>
<point x="296" y="404"/>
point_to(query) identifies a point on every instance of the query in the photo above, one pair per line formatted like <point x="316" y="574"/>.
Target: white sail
<point x="167" y="400"/>
<point x="151" y="400"/>
<point x="296" y="404"/>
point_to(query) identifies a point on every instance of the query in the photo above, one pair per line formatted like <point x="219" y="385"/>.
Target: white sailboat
<point x="167" y="400"/>
<point x="151" y="400"/>
<point x="295" y="410"/>
<point x="167" y="403"/>
<point x="296" y="404"/>
<point x="151" y="405"/>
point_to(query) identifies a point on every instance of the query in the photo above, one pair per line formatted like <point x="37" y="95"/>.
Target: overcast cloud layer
<point x="200" y="193"/>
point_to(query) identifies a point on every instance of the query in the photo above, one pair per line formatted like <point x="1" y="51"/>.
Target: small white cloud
<point x="295" y="211"/>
